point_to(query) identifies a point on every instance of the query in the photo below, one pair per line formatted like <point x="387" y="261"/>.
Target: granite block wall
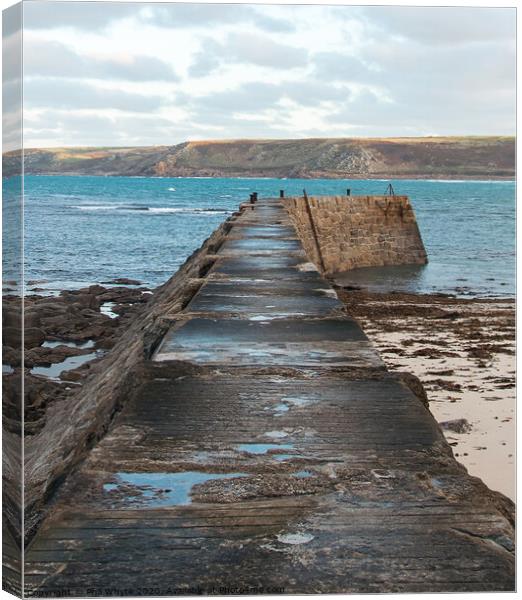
<point x="357" y="231"/>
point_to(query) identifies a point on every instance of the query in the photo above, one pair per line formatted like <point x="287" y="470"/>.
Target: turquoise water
<point x="83" y="230"/>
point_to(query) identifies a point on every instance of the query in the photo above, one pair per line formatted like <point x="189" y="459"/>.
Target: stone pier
<point x="267" y="449"/>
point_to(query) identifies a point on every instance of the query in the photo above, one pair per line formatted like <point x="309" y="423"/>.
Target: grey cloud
<point x="53" y="59"/>
<point x="39" y="14"/>
<point x="421" y="111"/>
<point x="249" y="97"/>
<point x="69" y="127"/>
<point x="229" y="108"/>
<point x="246" y="48"/>
<point x="60" y="93"/>
<point x="11" y="129"/>
<point x="313" y="92"/>
<point x="444" y="25"/>
<point x="263" y="51"/>
<point x="205" y="61"/>
<point x="202" y="15"/>
<point x="335" y="66"/>
<point x="411" y="66"/>
<point x="98" y="15"/>
<point x="12" y="56"/>
<point x="12" y="95"/>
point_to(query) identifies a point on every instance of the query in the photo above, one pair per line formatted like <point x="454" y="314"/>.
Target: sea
<point x="85" y="230"/>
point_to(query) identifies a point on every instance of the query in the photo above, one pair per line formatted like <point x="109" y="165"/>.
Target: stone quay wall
<point x="357" y="231"/>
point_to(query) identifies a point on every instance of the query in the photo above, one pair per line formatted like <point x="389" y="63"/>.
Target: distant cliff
<point x="434" y="157"/>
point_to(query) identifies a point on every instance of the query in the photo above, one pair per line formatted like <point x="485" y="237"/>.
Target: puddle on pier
<point x="162" y="489"/>
<point x="82" y="345"/>
<point x="273" y="450"/>
<point x="288" y="402"/>
<point x="276" y="434"/>
<point x="272" y="317"/>
<point x="295" y="538"/>
<point x="106" y="309"/>
<point x="73" y="362"/>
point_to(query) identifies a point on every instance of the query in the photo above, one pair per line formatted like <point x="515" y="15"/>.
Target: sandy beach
<point x="463" y="351"/>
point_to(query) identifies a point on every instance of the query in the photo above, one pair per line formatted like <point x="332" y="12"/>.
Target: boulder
<point x="123" y="281"/>
<point x="48" y="356"/>
<point x="33" y="336"/>
<point x="457" y="426"/>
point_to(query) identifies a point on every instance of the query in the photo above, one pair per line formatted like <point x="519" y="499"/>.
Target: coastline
<point x="463" y="352"/>
<point x="333" y="177"/>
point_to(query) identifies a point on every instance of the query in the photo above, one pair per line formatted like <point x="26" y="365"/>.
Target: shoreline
<point x="463" y="352"/>
<point x="347" y="177"/>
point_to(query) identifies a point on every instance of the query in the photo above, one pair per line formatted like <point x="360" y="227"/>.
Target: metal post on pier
<point x="348" y="192"/>
<point x="281" y="193"/>
<point x="389" y="190"/>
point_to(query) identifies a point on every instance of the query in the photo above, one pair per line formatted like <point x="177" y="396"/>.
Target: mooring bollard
<point x="281" y="193"/>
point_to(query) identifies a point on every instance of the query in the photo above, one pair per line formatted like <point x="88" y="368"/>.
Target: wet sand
<point x="463" y="351"/>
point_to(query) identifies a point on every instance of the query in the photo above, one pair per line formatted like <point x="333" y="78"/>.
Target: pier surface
<point x="269" y="450"/>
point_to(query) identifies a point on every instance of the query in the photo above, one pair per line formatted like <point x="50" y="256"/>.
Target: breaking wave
<point x="153" y="209"/>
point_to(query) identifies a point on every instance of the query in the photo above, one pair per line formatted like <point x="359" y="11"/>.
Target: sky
<point x="113" y="74"/>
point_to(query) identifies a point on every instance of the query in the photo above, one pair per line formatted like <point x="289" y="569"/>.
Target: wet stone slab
<point x="251" y="265"/>
<point x="260" y="244"/>
<point x="259" y="340"/>
<point x="265" y="231"/>
<point x="278" y="305"/>
<point x="303" y="286"/>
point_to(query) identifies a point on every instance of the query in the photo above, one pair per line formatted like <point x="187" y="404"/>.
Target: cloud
<point x="444" y="25"/>
<point x="255" y="97"/>
<point x="91" y="16"/>
<point x="337" y="66"/>
<point x="12" y="56"/>
<point x="53" y="59"/>
<point x="247" y="48"/>
<point x="203" y="15"/>
<point x="74" y="95"/>
<point x="94" y="129"/>
<point x="11" y="78"/>
<point x="339" y="70"/>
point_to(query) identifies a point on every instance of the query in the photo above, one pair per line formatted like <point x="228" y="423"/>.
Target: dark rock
<point x="48" y="356"/>
<point x="123" y="281"/>
<point x="32" y="319"/>
<point x="457" y="425"/>
<point x="33" y="336"/>
<point x="74" y="376"/>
